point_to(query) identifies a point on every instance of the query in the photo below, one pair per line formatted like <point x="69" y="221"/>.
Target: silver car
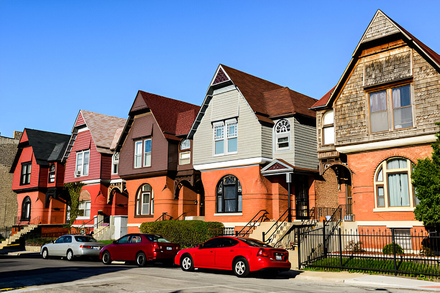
<point x="71" y="246"/>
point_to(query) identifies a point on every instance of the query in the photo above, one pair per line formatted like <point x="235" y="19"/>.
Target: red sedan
<point x="242" y="255"/>
<point x="140" y="248"/>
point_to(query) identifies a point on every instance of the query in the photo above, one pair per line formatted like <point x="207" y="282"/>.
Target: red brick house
<point x="38" y="178"/>
<point x="374" y="125"/>
<point x="91" y="158"/>
<point x="156" y="161"/>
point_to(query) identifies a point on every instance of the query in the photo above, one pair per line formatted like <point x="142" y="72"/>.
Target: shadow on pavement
<point x="259" y="275"/>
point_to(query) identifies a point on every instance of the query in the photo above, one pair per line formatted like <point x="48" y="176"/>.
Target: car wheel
<point x="141" y="259"/>
<point x="69" y="255"/>
<point x="241" y="267"/>
<point x="45" y="254"/>
<point x="106" y="258"/>
<point x="186" y="262"/>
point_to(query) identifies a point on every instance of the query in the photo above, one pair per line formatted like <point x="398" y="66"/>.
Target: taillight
<point x="86" y="246"/>
<point x="263" y="252"/>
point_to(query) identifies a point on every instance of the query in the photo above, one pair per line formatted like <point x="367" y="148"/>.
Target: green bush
<point x="186" y="233"/>
<point x="388" y="249"/>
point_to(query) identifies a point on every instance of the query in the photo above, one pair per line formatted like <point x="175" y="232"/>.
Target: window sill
<point x="83" y="218"/>
<point x="228" y="214"/>
<point x="394" y="209"/>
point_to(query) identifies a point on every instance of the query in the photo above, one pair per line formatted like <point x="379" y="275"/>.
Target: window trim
<point x="85" y="209"/>
<point x="138" y="211"/>
<point x="219" y="195"/>
<point x="27" y="202"/>
<point x="51" y="179"/>
<point x="328" y="126"/>
<point x="225" y="136"/>
<point x="115" y="163"/>
<point x="25" y="178"/>
<point x="77" y="171"/>
<point x="180" y="158"/>
<point x="390" y="106"/>
<point x="386" y="185"/>
<point x="282" y="134"/>
<point x="142" y="154"/>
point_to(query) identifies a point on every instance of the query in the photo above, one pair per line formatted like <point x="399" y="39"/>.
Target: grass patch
<point x="106" y="242"/>
<point x="377" y="266"/>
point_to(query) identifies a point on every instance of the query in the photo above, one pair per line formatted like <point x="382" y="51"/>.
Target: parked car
<point x="72" y="246"/>
<point x="241" y="255"/>
<point x="141" y="248"/>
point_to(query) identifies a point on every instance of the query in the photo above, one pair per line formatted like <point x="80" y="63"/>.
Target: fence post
<point x="340" y="245"/>
<point x="323" y="240"/>
<point x="394" y="251"/>
<point x="299" y="249"/>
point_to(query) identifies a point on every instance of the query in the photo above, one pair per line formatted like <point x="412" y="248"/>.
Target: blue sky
<point x="57" y="57"/>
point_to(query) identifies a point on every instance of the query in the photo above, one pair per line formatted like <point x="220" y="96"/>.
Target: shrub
<point x="186" y="233"/>
<point x="388" y="249"/>
<point x="354" y="246"/>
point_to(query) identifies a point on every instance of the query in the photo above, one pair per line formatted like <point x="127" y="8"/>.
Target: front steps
<point x="17" y="235"/>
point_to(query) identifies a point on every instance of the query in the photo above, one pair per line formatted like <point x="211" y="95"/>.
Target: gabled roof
<point x="388" y="28"/>
<point x="280" y="166"/>
<point x="267" y="100"/>
<point x="104" y="129"/>
<point x="174" y="117"/>
<point x="47" y="146"/>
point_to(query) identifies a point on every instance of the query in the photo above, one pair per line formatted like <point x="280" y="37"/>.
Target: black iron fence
<point x="395" y="251"/>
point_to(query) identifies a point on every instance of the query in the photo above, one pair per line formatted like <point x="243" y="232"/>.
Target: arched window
<point x="229" y="195"/>
<point x="26" y="209"/>
<point x="328" y="128"/>
<point x="282" y="135"/>
<point x="145" y="201"/>
<point x="393" y="185"/>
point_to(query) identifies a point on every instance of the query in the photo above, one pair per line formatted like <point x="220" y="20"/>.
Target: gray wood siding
<point x="267" y="141"/>
<point x="249" y="129"/>
<point x="305" y="145"/>
<point x="287" y="155"/>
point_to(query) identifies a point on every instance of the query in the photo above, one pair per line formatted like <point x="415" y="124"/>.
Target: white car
<point x="71" y="246"/>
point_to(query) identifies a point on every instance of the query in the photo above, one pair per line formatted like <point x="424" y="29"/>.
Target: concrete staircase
<point x="17" y="235"/>
<point x="102" y="233"/>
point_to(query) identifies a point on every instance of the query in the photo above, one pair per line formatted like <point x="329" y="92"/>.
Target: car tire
<point x="241" y="267"/>
<point x="45" y="253"/>
<point x="141" y="259"/>
<point x="69" y="255"/>
<point x="106" y="258"/>
<point x="186" y="263"/>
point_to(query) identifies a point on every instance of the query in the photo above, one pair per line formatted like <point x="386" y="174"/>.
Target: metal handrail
<point x="162" y="217"/>
<point x="251" y="224"/>
<point x="180" y="216"/>
<point x="277" y="224"/>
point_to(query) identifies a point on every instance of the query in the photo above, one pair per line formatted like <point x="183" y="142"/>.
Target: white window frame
<point x="225" y="136"/>
<point x="145" y="190"/>
<point x="141" y="157"/>
<point x="328" y="128"/>
<point x="185" y="158"/>
<point x="281" y="133"/>
<point x="381" y="182"/>
<point x="85" y="206"/>
<point x="115" y="163"/>
<point x="82" y="169"/>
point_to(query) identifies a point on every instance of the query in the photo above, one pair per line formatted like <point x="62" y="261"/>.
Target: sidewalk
<point x="376" y="281"/>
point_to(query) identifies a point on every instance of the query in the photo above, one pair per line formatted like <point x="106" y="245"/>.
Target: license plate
<point x="169" y="248"/>
<point x="97" y="247"/>
<point x="279" y="257"/>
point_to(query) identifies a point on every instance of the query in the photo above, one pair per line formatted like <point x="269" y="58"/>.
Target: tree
<point x="426" y="181"/>
<point x="74" y="190"/>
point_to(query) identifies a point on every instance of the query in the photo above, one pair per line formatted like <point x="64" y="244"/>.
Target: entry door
<point x="302" y="197"/>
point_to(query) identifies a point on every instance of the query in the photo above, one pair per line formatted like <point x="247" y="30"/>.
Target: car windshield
<point x="254" y="242"/>
<point x="157" y="238"/>
<point x="84" y="239"/>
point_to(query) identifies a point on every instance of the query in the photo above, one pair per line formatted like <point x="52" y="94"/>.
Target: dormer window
<point x="282" y="135"/>
<point x="82" y="163"/>
<point x="328" y="128"/>
<point x="25" y="173"/>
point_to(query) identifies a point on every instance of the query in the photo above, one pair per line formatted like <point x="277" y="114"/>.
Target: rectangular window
<point x="400" y="111"/>
<point x="283" y="142"/>
<point x="398" y="190"/>
<point x="147" y="153"/>
<point x="184" y="158"/>
<point x="380" y="197"/>
<point x="138" y="154"/>
<point x="115" y="163"/>
<point x="26" y="173"/>
<point x="232" y="135"/>
<point x="219" y="138"/>
<point x="52" y="173"/>
<point x="84" y="209"/>
<point x="82" y="163"/>
<point x="145" y="204"/>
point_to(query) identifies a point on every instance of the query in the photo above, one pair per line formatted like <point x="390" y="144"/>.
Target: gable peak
<point x="381" y="25"/>
<point x="220" y="76"/>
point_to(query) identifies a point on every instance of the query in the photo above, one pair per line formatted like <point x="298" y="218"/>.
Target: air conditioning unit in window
<point x="78" y="173"/>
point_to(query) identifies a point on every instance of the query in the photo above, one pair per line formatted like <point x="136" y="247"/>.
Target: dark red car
<point x="141" y="248"/>
<point x="241" y="255"/>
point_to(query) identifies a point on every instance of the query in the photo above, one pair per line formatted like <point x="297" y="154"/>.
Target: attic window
<point x="52" y="173"/>
<point x="282" y="134"/>
<point x="328" y="128"/>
